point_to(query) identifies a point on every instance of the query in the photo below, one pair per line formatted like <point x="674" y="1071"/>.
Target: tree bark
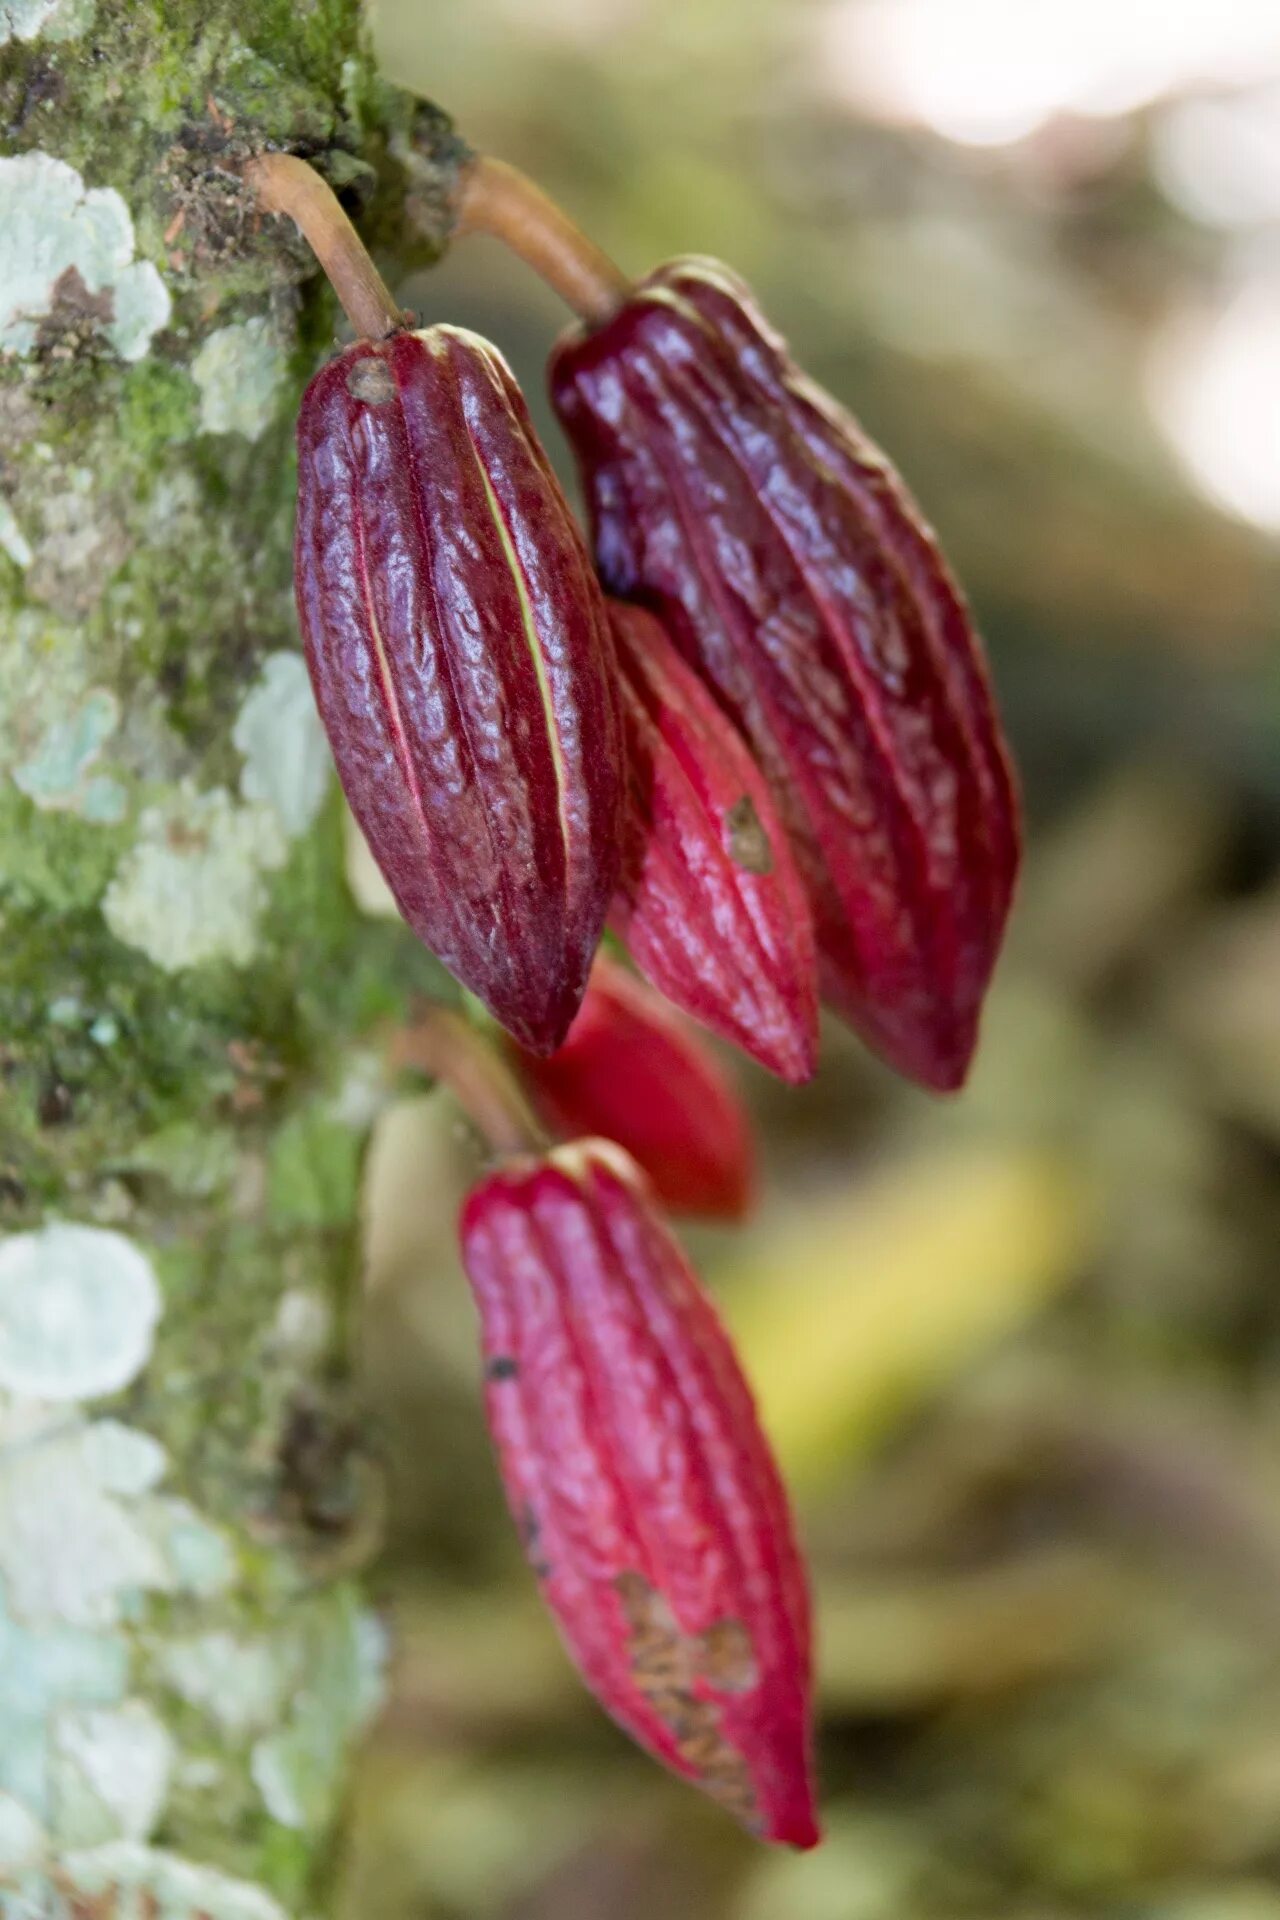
<point x="188" y="994"/>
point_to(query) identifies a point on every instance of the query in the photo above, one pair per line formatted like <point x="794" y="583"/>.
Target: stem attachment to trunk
<point x="444" y="1044"/>
<point x="285" y="184"/>
<point x="497" y="199"/>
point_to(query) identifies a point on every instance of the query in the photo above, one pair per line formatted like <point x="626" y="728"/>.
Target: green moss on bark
<point x="189" y="999"/>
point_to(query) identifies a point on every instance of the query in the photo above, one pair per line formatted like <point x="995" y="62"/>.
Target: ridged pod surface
<point x="648" y="1500"/>
<point x="635" y="1070"/>
<point x="794" y="571"/>
<point x="710" y="903"/>
<point x="462" y="664"/>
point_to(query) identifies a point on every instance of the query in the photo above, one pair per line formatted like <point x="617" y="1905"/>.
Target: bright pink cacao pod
<point x="462" y="664"/>
<point x="635" y="1071"/>
<point x="794" y="571"/>
<point x="646" y="1495"/>
<point x="710" y="904"/>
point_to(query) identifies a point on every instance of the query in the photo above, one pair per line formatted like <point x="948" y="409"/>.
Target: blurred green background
<point x="1019" y="1352"/>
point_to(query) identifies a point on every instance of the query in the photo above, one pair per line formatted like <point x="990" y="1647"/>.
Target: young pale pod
<point x="710" y="904"/>
<point x="648" y="1500"/>
<point x="634" y="1070"/>
<point x="794" y="571"/>
<point x="463" y="667"/>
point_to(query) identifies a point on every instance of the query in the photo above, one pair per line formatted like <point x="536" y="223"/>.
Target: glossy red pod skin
<point x="634" y="1070"/>
<point x="462" y="664"/>
<point x="710" y="903"/>
<point x="795" y="572"/>
<point x="649" y="1503"/>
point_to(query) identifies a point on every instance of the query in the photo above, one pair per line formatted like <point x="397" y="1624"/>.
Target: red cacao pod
<point x="462" y="664"/>
<point x="710" y="904"/>
<point x="794" y="571"/>
<point x="635" y="1468"/>
<point x="635" y="1071"/>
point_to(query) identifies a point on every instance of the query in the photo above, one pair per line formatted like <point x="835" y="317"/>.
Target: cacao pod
<point x="735" y="499"/>
<point x="635" y="1468"/>
<point x="463" y="667"/>
<point x="710" y="904"/>
<point x="635" y="1071"/>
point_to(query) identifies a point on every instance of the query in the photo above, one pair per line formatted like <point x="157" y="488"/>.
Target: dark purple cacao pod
<point x="463" y="666"/>
<point x="734" y="498"/>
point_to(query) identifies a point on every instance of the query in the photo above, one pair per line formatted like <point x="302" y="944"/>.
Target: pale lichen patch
<point x="43" y="673"/>
<point x="78" y="1311"/>
<point x="80" y="545"/>
<point x="51" y="225"/>
<point x="12" y="538"/>
<point x="123" y="1460"/>
<point x="22" y="1839"/>
<point x="239" y="1684"/>
<point x="56" y="776"/>
<point x="240" y="371"/>
<point x="44" y="19"/>
<point x="140" y="1880"/>
<point x="59" y="1488"/>
<point x="298" y="1770"/>
<point x="287" y="763"/>
<point x="54" y="725"/>
<point x="199" y="1558"/>
<point x="191" y="889"/>
<point x="283" y="1773"/>
<point x="173" y="511"/>
<point x="111" y="1773"/>
<point x="44" y="1669"/>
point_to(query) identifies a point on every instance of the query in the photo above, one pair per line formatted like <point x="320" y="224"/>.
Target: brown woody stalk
<point x="284" y="184"/>
<point x="498" y="199"/>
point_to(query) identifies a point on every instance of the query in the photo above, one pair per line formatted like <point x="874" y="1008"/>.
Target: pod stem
<point x="498" y="199"/>
<point x="284" y="184"/>
<point x="444" y="1044"/>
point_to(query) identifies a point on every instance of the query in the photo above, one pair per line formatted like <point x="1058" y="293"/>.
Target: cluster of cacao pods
<point x="770" y="756"/>
<point x="753" y="734"/>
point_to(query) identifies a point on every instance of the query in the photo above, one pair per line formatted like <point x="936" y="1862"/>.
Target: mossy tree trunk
<point x="188" y="998"/>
